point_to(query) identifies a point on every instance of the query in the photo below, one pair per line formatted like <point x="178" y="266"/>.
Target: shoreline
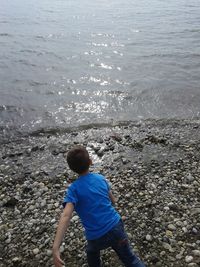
<point x="154" y="168"/>
<point x="13" y="133"/>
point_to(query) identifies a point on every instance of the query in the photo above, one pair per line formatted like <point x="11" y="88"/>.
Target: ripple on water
<point x="4" y="34"/>
<point x="4" y="21"/>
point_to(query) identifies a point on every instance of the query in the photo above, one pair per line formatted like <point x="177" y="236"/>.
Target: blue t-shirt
<point x="90" y="196"/>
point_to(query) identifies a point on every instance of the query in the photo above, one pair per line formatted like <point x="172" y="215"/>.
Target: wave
<point x="172" y="55"/>
<point x="25" y="62"/>
<point x="4" y="34"/>
<point x="35" y="83"/>
<point x="30" y="51"/>
<point x="9" y="108"/>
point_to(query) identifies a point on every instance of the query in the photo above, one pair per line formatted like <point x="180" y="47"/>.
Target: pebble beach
<point x="153" y="167"/>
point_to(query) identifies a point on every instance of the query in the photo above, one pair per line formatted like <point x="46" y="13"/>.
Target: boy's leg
<point x="94" y="247"/>
<point x="93" y="255"/>
<point x="121" y="246"/>
<point x="126" y="255"/>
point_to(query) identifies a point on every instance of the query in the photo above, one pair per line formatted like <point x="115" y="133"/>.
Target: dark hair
<point x="78" y="159"/>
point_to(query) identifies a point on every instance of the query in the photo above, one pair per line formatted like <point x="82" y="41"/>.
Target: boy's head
<point x="78" y="160"/>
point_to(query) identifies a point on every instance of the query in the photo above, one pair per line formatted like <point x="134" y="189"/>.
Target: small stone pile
<point x="154" y="170"/>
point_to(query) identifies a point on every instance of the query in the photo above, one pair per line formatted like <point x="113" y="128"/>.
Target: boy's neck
<point x="84" y="173"/>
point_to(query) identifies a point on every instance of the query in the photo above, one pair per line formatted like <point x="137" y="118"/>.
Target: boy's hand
<point x="56" y="259"/>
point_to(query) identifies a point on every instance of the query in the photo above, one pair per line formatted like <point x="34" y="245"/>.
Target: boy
<point x="90" y="196"/>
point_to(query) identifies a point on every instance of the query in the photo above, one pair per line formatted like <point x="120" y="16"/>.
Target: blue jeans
<point x="117" y="239"/>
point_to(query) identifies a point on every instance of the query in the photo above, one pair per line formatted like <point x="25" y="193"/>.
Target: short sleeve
<point x="70" y="196"/>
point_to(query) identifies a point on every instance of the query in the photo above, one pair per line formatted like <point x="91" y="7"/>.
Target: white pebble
<point x="148" y="237"/>
<point x="188" y="259"/>
<point x="36" y="251"/>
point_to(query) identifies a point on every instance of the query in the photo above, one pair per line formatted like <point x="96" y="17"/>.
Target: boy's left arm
<point x="112" y="198"/>
<point x="62" y="227"/>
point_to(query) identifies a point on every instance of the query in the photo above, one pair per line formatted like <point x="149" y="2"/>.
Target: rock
<point x="100" y="152"/>
<point x="43" y="203"/>
<point x="172" y="227"/>
<point x="16" y="260"/>
<point x="179" y="256"/>
<point x="149" y="237"/>
<point x="8" y="241"/>
<point x="169" y="233"/>
<point x="179" y="223"/>
<point x="188" y="259"/>
<point x="137" y="145"/>
<point x="11" y="203"/>
<point x="167" y="247"/>
<point x="16" y="212"/>
<point x="195" y="211"/>
<point x="194" y="231"/>
<point x="116" y="137"/>
<point x="190" y="178"/>
<point x="62" y="249"/>
<point x="75" y="218"/>
<point x="36" y="251"/>
<point x="49" y="252"/>
<point x="31" y="207"/>
<point x="53" y="220"/>
<point x="173" y="207"/>
<point x="154" y="259"/>
<point x="192" y="264"/>
<point x="124" y="160"/>
<point x="35" y="148"/>
<point x="196" y="253"/>
<point x="162" y="253"/>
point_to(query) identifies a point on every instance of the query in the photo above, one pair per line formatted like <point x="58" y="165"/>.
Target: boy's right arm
<point x="62" y="227"/>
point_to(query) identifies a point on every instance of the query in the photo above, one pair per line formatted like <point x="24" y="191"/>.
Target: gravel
<point x="154" y="169"/>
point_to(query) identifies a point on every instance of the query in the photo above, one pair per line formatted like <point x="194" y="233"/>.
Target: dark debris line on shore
<point x="155" y="173"/>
